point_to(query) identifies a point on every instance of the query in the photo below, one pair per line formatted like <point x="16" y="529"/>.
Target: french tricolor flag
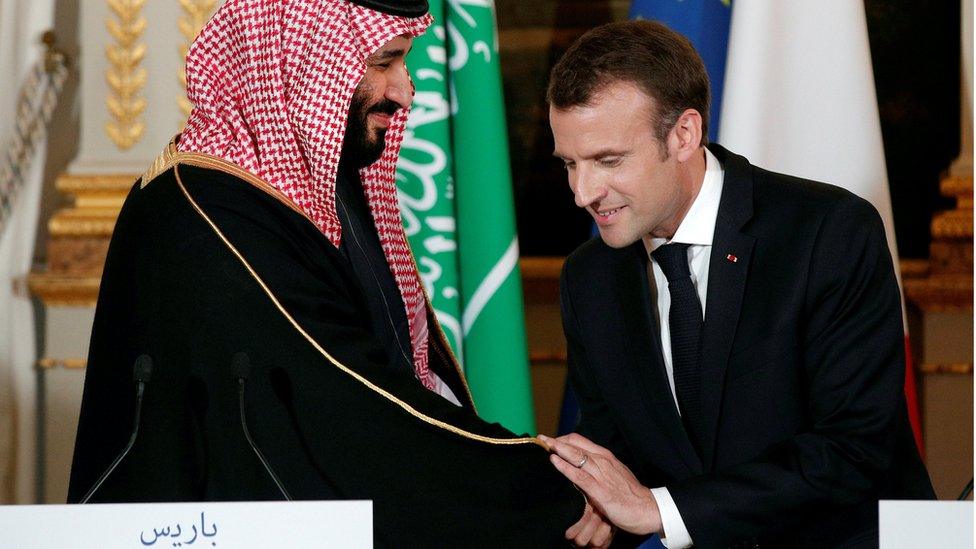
<point x="799" y="98"/>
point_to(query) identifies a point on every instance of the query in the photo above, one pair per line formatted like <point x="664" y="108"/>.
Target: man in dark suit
<point x="735" y="336"/>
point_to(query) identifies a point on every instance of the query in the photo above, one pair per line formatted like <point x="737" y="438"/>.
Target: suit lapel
<point x="728" y="268"/>
<point x="642" y="338"/>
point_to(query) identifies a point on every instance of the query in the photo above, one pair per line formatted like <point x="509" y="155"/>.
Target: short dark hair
<point x="659" y="61"/>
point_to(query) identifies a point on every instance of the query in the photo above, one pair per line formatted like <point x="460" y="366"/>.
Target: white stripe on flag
<point x="496" y="277"/>
<point x="799" y="96"/>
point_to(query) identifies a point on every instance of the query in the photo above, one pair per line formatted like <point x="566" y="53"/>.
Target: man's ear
<point x="686" y="136"/>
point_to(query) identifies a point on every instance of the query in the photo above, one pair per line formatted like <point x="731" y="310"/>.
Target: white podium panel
<point x="189" y="525"/>
<point x="913" y="524"/>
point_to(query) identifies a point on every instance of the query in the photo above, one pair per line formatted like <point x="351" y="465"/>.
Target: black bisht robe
<point x="207" y="261"/>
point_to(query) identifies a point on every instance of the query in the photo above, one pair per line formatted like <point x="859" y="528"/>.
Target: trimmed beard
<point x="359" y="148"/>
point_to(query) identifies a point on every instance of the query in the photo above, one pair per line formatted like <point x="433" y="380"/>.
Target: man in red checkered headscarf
<point x="261" y="265"/>
<point x="275" y="87"/>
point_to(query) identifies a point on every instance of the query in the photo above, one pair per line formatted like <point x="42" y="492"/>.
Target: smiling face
<point x="385" y="88"/>
<point x="628" y="180"/>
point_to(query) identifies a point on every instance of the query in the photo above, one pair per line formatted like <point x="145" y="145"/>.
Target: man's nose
<point x="589" y="188"/>
<point x="399" y="87"/>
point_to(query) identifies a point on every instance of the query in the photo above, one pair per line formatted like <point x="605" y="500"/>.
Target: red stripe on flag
<point x="911" y="399"/>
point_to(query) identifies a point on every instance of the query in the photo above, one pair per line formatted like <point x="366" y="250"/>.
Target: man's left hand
<point x="610" y="486"/>
<point x="591" y="531"/>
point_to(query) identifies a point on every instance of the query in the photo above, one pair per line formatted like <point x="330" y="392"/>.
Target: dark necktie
<point x="685" y="321"/>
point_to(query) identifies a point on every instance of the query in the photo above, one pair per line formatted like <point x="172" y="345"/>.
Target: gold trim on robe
<point x="171" y="158"/>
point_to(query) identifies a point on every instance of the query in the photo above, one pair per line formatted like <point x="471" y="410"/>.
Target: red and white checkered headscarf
<point x="271" y="82"/>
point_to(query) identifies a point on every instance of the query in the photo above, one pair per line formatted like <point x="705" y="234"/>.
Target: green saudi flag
<point x="456" y="198"/>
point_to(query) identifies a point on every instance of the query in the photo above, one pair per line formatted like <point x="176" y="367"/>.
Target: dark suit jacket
<point x="802" y="369"/>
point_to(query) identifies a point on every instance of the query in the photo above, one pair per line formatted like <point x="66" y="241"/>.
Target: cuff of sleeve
<point x="675" y="536"/>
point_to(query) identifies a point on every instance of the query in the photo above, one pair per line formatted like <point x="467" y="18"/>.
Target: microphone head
<point x="240" y="365"/>
<point x="142" y="370"/>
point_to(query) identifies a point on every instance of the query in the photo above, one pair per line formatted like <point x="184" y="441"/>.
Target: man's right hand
<point x="610" y="486"/>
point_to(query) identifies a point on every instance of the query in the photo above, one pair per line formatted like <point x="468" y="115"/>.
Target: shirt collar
<point x="698" y="226"/>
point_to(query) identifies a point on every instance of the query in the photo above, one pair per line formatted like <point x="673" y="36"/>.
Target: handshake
<point x="615" y="498"/>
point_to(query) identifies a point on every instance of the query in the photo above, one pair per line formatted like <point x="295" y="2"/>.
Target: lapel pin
<point x="732" y="258"/>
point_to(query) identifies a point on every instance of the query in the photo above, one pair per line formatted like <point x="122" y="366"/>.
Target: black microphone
<point x="241" y="366"/>
<point x="141" y="372"/>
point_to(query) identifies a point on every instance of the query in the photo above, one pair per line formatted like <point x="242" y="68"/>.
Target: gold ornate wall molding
<point x="50" y="363"/>
<point x="126" y="77"/>
<point x="195" y="14"/>
<point x="958" y="368"/>
<point x="69" y="291"/>
<point x="124" y="122"/>
<point x="957" y="223"/>
<point x="97" y="201"/>
<point x="948" y="283"/>
<point x="79" y="237"/>
<point x="940" y="294"/>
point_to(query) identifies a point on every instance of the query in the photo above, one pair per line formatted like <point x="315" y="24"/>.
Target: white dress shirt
<point x="696" y="229"/>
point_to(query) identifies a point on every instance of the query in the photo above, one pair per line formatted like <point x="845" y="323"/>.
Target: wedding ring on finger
<point x="582" y="461"/>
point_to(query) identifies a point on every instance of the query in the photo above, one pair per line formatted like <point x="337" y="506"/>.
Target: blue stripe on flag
<point x="706" y="24"/>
